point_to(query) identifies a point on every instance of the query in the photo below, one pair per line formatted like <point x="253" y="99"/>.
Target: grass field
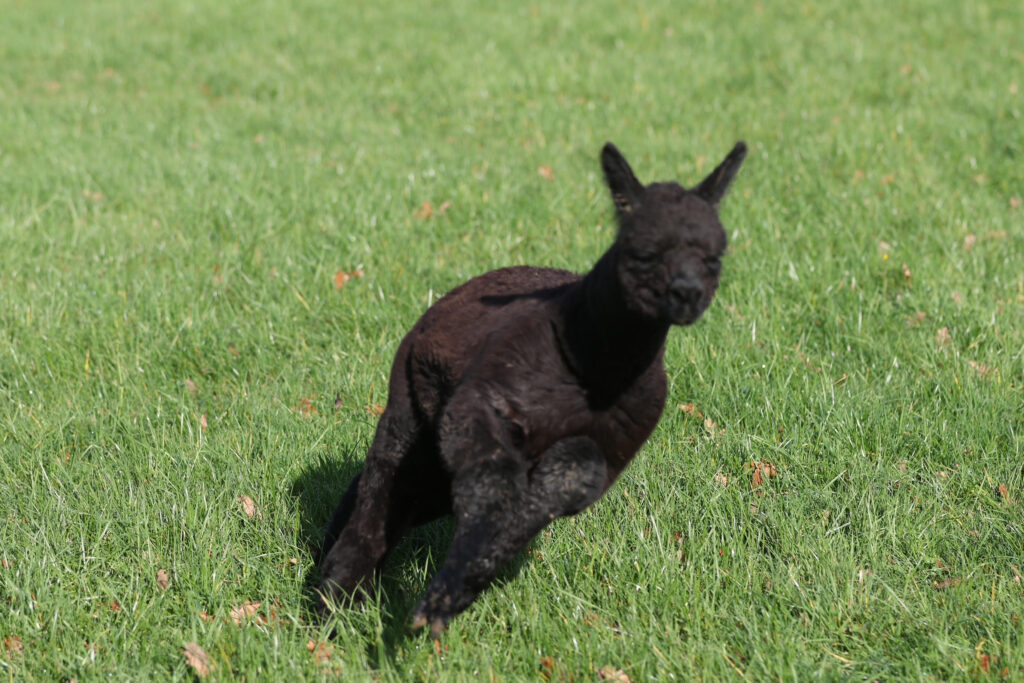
<point x="184" y="390"/>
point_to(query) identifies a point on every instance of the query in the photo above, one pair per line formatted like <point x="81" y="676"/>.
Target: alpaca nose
<point x="686" y="289"/>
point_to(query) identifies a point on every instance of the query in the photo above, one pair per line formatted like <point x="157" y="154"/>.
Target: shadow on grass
<point x="406" y="572"/>
<point x="318" y="490"/>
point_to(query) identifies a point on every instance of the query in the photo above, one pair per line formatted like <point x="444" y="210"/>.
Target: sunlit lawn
<point x="187" y="383"/>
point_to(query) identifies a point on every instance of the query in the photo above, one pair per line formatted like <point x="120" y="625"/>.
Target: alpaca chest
<point x="564" y="411"/>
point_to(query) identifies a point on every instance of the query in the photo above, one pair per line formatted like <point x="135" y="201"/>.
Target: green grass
<point x="179" y="182"/>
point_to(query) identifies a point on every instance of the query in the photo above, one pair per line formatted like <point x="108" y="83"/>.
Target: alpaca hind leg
<point x="340" y="517"/>
<point x="362" y="537"/>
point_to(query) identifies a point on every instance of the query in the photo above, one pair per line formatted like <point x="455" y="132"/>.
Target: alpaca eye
<point x="643" y="256"/>
<point x="713" y="264"/>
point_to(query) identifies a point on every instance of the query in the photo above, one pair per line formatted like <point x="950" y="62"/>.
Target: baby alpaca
<point x="522" y="395"/>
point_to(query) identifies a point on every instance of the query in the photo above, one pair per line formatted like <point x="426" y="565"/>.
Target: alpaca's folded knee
<point x="570" y="476"/>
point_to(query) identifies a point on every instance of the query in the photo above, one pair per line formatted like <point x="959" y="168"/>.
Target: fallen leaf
<point x="425" y="211"/>
<point x="1004" y="493"/>
<point x="341" y="277"/>
<point x="249" y="507"/>
<point x="5" y="563"/>
<point x="610" y="673"/>
<point x="306" y="406"/>
<point x="946" y="583"/>
<point x="197" y="658"/>
<point x="763" y="471"/>
<point x="548" y="664"/>
<point x="233" y="350"/>
<point x="13" y="646"/>
<point x="546" y="173"/>
<point x="942" y="474"/>
<point x="191" y="386"/>
<point x="115" y="606"/>
<point x="721" y="479"/>
<point x="203" y="423"/>
<point x="206" y="617"/>
<point x="984" y="661"/>
<point x="441" y="210"/>
<point x="690" y="409"/>
<point x="321" y="651"/>
<point x="293" y="561"/>
<point x="916" y="319"/>
<point x="244" y="612"/>
<point x="969" y="241"/>
<point x="943" y="339"/>
<point x="162" y="579"/>
<point x="906" y="272"/>
<point x="712" y="428"/>
<point x="1015" y="202"/>
<point x="888" y="179"/>
<point x="376" y="410"/>
<point x="273" y="618"/>
<point x="980" y="369"/>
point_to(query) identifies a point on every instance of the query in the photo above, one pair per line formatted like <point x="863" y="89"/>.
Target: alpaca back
<point x="443" y="344"/>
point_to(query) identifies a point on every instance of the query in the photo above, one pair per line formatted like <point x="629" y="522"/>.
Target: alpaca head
<point x="670" y="243"/>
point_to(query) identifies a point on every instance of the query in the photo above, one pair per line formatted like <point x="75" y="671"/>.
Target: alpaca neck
<point x="605" y="343"/>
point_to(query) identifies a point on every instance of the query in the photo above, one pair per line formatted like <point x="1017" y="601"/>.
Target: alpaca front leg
<point x="499" y="509"/>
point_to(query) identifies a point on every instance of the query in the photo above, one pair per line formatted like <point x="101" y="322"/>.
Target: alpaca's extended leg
<point x="340" y="517"/>
<point x="368" y="511"/>
<point x="499" y="508"/>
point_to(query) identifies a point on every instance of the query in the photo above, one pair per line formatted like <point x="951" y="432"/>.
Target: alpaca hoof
<point x="437" y="624"/>
<point x="437" y="627"/>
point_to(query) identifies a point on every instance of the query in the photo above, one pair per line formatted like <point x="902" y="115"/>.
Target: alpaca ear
<point x="626" y="189"/>
<point x="714" y="187"/>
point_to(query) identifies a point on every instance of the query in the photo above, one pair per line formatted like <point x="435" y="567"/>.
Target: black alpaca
<point x="522" y="395"/>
